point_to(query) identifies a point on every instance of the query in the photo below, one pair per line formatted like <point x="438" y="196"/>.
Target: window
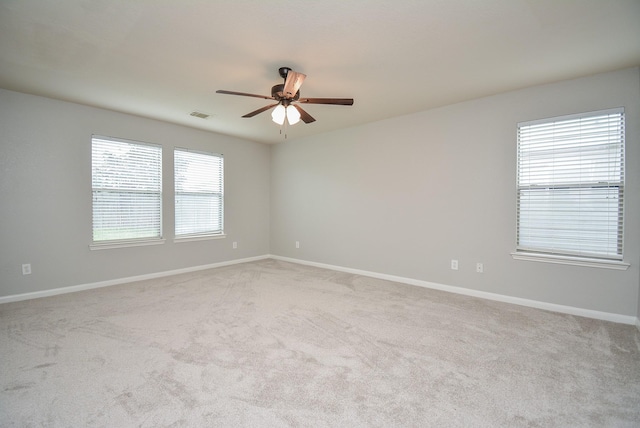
<point x="127" y="191"/>
<point x="199" y="193"/>
<point x="570" y="185"/>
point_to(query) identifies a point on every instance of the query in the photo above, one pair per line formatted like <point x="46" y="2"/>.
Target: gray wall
<point x="400" y="197"/>
<point x="45" y="196"/>
<point x="405" y="196"/>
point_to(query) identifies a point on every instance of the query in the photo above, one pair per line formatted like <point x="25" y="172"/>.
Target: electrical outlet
<point x="454" y="264"/>
<point x="235" y="245"/>
<point x="297" y="244"/>
<point x="26" y="269"/>
<point x="479" y="267"/>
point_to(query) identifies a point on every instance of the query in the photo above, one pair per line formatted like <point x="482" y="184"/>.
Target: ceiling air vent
<point x="200" y="115"/>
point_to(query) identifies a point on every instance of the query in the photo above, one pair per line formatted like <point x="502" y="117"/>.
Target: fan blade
<point x="306" y="117"/>
<point x="293" y="83"/>
<point x="260" y="110"/>
<point x="244" y="94"/>
<point x="335" y="101"/>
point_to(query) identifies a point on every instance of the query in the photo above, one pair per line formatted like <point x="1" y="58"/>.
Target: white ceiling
<point x="164" y="59"/>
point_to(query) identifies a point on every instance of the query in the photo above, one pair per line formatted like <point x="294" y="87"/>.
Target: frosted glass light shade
<point x="293" y="115"/>
<point x="278" y="114"/>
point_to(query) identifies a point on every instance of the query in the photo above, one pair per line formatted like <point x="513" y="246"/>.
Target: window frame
<point x="219" y="176"/>
<point x="130" y="241"/>
<point x="552" y="253"/>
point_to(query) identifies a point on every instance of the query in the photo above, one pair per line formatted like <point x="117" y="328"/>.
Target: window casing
<point x="127" y="191"/>
<point x="570" y="186"/>
<point x="199" y="194"/>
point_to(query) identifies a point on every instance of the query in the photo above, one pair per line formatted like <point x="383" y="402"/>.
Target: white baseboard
<point x="82" y="287"/>
<point x="588" y="313"/>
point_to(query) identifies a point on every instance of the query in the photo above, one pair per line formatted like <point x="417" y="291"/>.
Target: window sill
<point x="123" y="244"/>
<point x="568" y="260"/>
<point x="190" y="238"/>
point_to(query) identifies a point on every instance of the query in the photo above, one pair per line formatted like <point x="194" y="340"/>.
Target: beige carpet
<point x="271" y="343"/>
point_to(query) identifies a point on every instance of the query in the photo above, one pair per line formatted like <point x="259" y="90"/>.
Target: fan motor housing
<point x="277" y="92"/>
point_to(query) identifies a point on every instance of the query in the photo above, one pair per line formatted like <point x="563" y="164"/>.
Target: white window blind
<point x="570" y="185"/>
<point x="127" y="190"/>
<point x="199" y="188"/>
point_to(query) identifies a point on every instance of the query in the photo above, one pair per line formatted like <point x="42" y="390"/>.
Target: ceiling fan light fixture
<point x="293" y="115"/>
<point x="278" y="114"/>
<point x="283" y="95"/>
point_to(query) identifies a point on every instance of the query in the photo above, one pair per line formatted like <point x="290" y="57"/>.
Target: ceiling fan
<point x="287" y="95"/>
